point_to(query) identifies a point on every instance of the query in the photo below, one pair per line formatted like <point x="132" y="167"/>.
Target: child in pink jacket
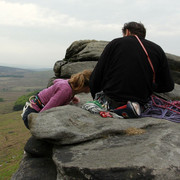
<point x="62" y="92"/>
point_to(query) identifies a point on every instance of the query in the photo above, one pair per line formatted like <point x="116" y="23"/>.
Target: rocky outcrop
<point x="80" y="55"/>
<point x="174" y="64"/>
<point x="70" y="143"/>
<point x="85" y="50"/>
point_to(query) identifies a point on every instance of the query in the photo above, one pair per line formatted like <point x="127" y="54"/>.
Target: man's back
<point x="124" y="73"/>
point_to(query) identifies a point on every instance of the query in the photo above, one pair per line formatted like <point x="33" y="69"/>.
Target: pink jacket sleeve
<point x="61" y="97"/>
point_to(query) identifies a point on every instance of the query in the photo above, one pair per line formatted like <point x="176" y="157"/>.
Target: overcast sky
<point x="36" y="33"/>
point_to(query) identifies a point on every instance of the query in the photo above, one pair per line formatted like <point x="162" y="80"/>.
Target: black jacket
<point x="124" y="73"/>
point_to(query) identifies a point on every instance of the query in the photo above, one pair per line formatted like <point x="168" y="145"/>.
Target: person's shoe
<point x="130" y="110"/>
<point x="25" y="107"/>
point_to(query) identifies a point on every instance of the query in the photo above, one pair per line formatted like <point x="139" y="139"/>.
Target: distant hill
<point x="11" y="71"/>
<point x="16" y="81"/>
<point x="6" y="71"/>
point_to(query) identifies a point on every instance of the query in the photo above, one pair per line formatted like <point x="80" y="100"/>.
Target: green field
<point x="13" y="133"/>
<point x="13" y="137"/>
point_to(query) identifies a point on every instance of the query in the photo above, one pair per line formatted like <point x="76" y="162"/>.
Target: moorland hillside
<point x="15" y="82"/>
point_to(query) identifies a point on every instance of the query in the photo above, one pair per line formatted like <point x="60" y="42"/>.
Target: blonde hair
<point x="80" y="80"/>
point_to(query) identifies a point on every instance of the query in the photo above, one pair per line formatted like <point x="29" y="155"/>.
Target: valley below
<point x="14" y="83"/>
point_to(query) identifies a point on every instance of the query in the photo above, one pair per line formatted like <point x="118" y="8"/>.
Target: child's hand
<point x="75" y="100"/>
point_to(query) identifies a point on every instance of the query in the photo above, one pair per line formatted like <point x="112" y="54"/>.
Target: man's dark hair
<point x="135" y="28"/>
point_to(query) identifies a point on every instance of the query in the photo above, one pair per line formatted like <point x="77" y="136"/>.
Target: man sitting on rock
<point x="130" y="69"/>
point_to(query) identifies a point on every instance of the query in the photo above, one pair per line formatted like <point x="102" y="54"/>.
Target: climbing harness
<point x="36" y="100"/>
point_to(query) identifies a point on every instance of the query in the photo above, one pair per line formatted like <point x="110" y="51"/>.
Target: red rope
<point x="147" y="57"/>
<point x="167" y="104"/>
